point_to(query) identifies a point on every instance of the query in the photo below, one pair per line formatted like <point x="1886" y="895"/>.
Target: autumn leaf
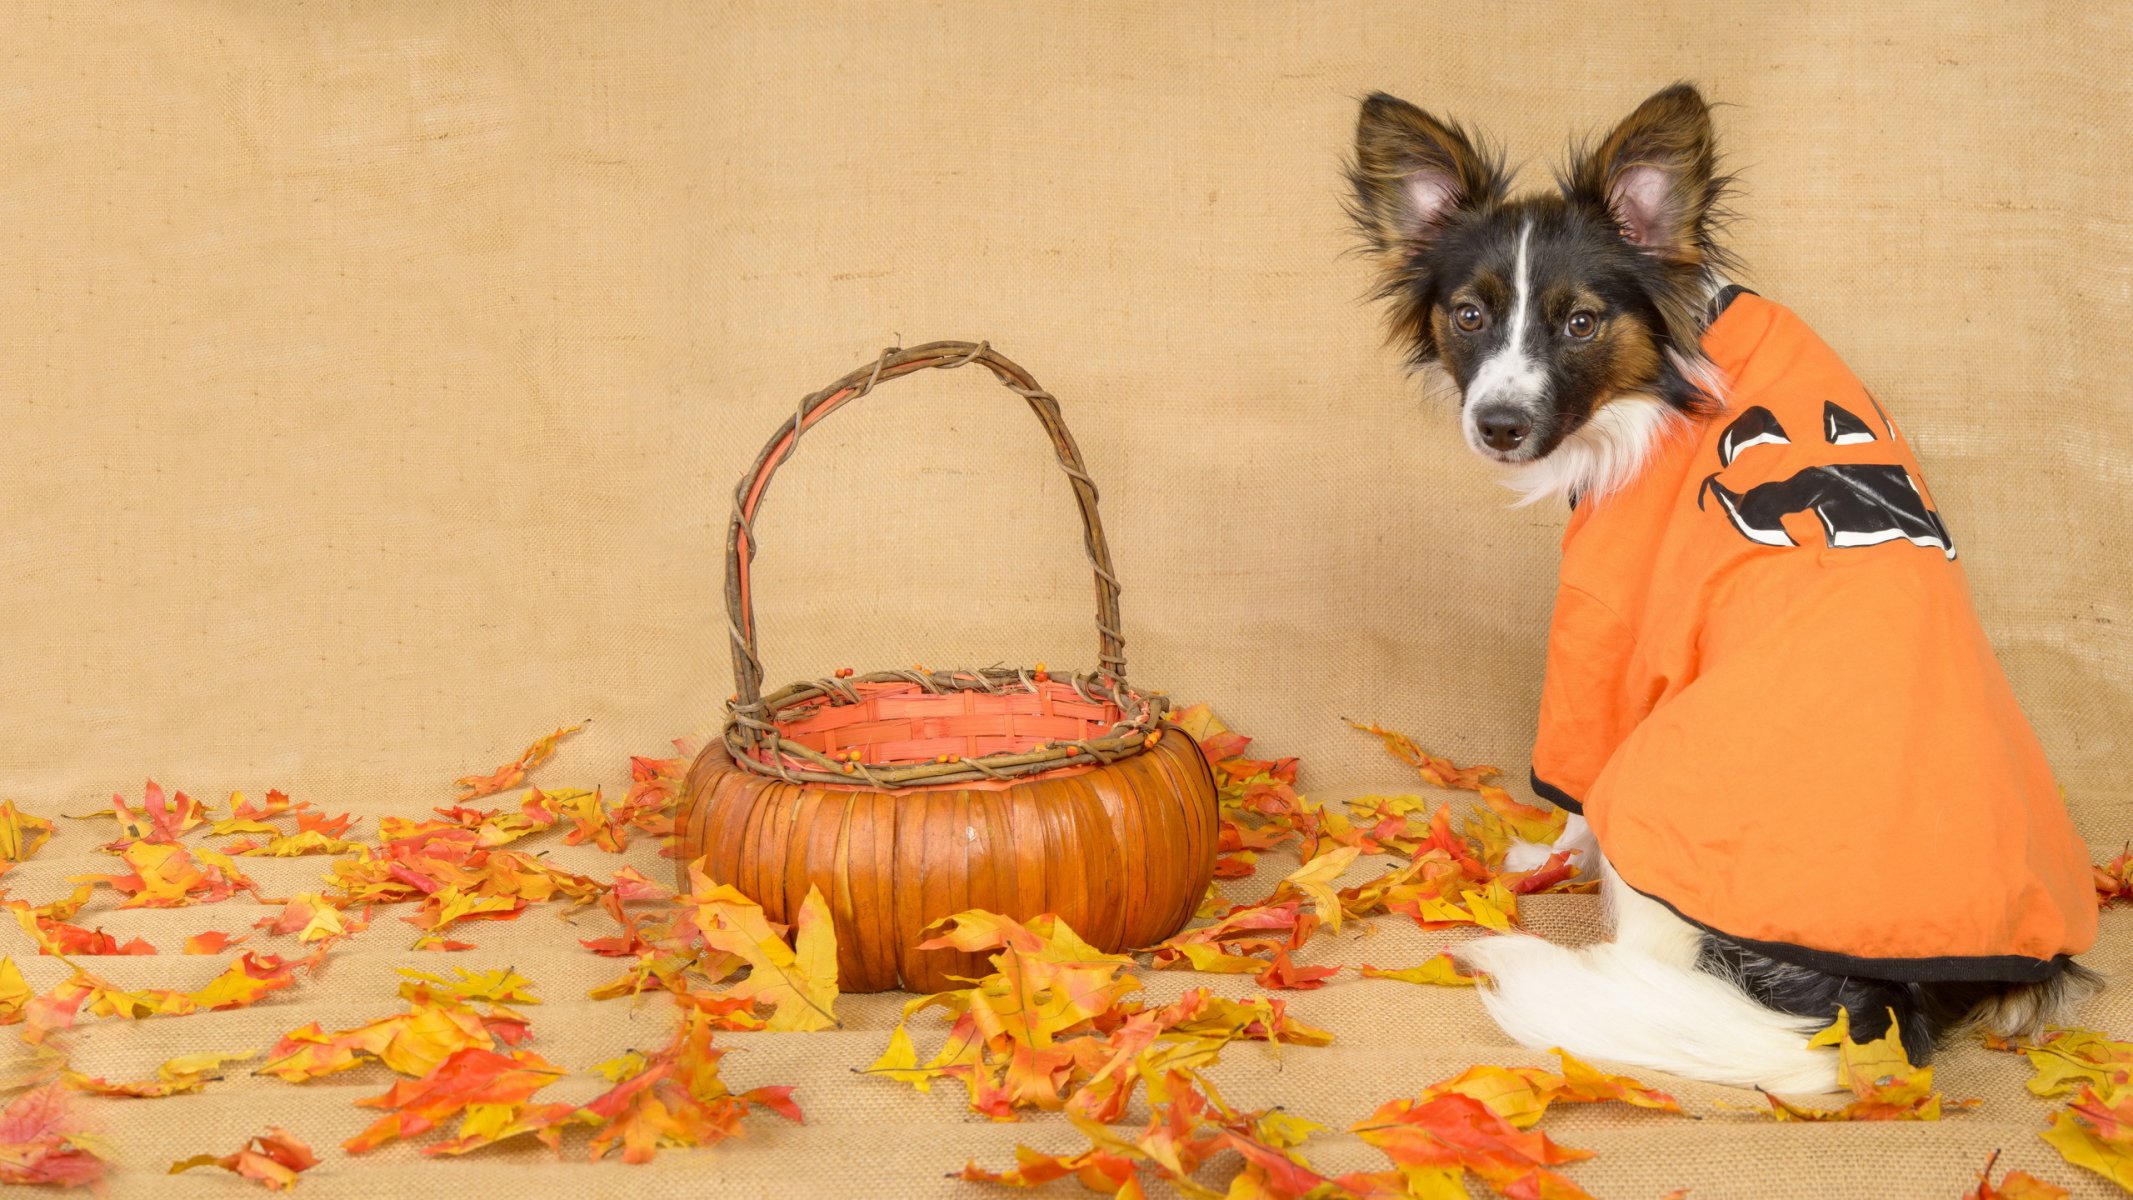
<point x="2065" y="1060"/>
<point x="250" y="976"/>
<point x="2096" y="1132"/>
<point x="1189" y="1124"/>
<point x="160" y="818"/>
<point x="214" y="941"/>
<point x="1437" y="771"/>
<point x="1879" y="1075"/>
<point x="1314" y="879"/>
<point x="504" y="986"/>
<point x="411" y="1043"/>
<point x="168" y="875"/>
<point x="430" y="941"/>
<point x="309" y="916"/>
<point x="308" y="841"/>
<point x="799" y="980"/>
<point x="60" y="938"/>
<point x="20" y="833"/>
<point x="468" y="1078"/>
<point x="589" y="818"/>
<point x="2114" y="880"/>
<point x="273" y="1160"/>
<point x="1440" y="970"/>
<point x="1282" y="973"/>
<point x="15" y="993"/>
<point x="186" y="1073"/>
<point x="1456" y="1132"/>
<point x="450" y="906"/>
<point x="42" y="1143"/>
<point x="2018" y="1185"/>
<point x="1051" y="1027"/>
<point x="512" y="773"/>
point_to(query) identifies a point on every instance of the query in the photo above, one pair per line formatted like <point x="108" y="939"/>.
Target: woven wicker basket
<point x="910" y="795"/>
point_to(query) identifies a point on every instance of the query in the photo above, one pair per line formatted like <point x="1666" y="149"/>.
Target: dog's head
<point x="1562" y="319"/>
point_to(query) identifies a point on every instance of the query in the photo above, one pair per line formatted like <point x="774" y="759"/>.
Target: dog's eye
<point x="1469" y="317"/>
<point x="1580" y="325"/>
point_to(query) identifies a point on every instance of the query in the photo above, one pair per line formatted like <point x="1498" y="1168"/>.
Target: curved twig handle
<point x="740" y="537"/>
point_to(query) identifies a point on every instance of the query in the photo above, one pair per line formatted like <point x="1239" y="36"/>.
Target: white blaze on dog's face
<point x="1567" y="322"/>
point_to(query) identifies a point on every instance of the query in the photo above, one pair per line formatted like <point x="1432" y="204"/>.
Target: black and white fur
<point x="1568" y="325"/>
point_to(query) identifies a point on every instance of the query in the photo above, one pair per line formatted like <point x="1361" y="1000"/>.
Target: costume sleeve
<point x="1582" y="718"/>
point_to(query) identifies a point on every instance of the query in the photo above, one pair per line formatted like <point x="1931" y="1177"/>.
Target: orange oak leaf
<point x="512" y="773"/>
<point x="273" y="1160"/>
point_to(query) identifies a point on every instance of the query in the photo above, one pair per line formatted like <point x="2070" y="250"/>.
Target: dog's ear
<point x="1656" y="175"/>
<point x="1412" y="171"/>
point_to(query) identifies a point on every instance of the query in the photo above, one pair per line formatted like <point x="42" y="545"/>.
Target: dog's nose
<point x="1503" y="429"/>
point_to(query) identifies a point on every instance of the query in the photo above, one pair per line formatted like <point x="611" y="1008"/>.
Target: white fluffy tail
<point x="1640" y="1000"/>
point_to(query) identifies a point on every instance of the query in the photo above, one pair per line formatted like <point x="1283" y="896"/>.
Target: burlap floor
<point x="375" y="376"/>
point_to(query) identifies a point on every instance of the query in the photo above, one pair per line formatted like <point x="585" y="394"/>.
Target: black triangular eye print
<point x="1756" y="427"/>
<point x="1841" y="428"/>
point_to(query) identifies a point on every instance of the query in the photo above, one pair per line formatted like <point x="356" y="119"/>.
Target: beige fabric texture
<point x="376" y="376"/>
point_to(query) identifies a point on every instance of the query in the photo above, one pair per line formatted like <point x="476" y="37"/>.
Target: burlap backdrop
<point x="375" y="377"/>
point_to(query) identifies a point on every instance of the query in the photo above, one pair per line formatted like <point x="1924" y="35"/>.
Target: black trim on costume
<point x="1726" y="296"/>
<point x="1947" y="968"/>
<point x="1555" y="795"/>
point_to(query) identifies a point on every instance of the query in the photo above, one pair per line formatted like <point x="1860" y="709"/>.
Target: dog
<point x="1784" y="743"/>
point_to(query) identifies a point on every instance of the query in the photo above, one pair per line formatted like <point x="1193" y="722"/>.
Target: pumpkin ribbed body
<point x="1122" y="852"/>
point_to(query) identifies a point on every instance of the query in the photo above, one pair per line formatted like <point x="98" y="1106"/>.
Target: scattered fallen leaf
<point x="42" y="1143"/>
<point x="2018" y="1185"/>
<point x="1879" y="1075"/>
<point x="2114" y="880"/>
<point x="21" y="833"/>
<point x="511" y="774"/>
<point x="1440" y="970"/>
<point x="273" y="1159"/>
<point x="186" y="1073"/>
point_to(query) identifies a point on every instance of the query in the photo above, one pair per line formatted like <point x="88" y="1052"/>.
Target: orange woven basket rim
<point x="780" y="748"/>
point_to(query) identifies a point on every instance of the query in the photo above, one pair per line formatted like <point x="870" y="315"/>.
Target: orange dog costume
<point x="1768" y="692"/>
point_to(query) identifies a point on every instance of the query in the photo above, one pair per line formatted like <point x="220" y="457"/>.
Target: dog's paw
<point x="1524" y="856"/>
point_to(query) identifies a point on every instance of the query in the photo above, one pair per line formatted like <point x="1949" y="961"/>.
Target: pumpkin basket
<point x="911" y="795"/>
